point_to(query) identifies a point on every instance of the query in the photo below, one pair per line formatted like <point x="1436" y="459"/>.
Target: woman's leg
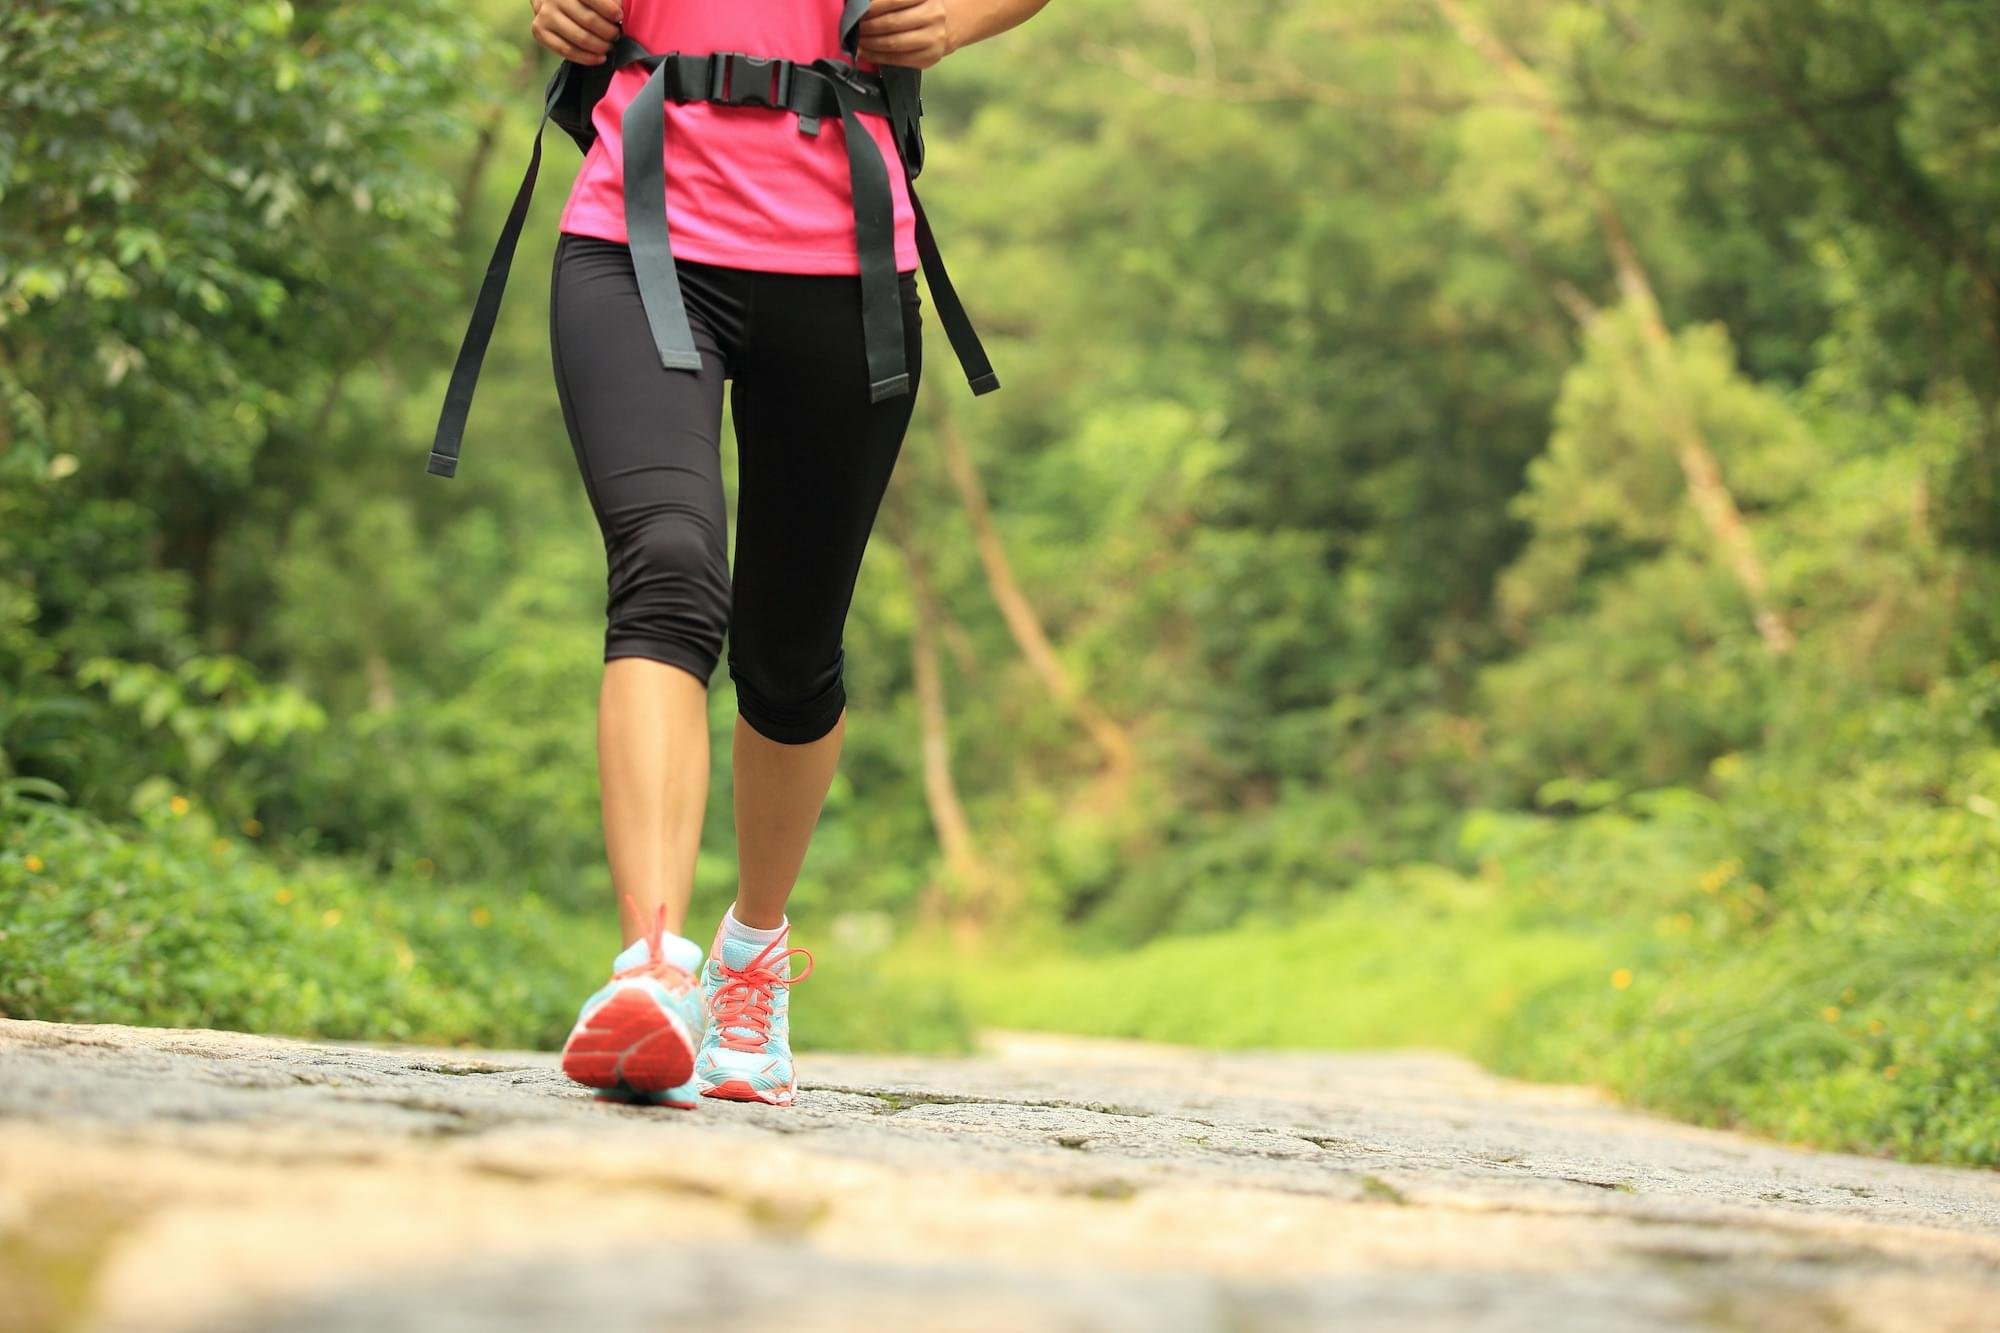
<point x="814" y="459"/>
<point x="779" y="791"/>
<point x="646" y="440"/>
<point x="652" y="774"/>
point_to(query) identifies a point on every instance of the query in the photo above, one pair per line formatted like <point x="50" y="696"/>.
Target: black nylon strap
<point x="645" y="194"/>
<point x="486" y="310"/>
<point x="902" y="92"/>
<point x="851" y="14"/>
<point x="951" y="311"/>
<point x="874" y="244"/>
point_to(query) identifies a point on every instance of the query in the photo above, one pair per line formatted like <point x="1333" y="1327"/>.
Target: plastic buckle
<point x="753" y="80"/>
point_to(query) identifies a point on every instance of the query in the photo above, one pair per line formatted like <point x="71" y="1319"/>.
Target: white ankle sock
<point x="735" y="930"/>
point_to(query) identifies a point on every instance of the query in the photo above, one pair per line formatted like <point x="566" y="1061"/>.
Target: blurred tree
<point x="212" y="211"/>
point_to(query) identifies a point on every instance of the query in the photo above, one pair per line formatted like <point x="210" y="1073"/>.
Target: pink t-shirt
<point x="745" y="188"/>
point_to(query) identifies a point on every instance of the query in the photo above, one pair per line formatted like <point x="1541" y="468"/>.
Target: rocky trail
<point x="162" y="1180"/>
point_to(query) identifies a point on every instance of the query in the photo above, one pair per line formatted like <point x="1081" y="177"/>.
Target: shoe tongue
<point x="739" y="954"/>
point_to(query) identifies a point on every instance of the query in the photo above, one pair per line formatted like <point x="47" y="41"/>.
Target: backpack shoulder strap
<point x="486" y="310"/>
<point x="851" y="14"/>
<point x="903" y="88"/>
<point x="583" y="87"/>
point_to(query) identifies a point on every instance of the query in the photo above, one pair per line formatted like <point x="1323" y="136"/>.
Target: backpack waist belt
<point x="811" y="92"/>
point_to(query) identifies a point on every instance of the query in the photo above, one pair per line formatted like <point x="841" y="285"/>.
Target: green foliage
<point x="171" y="923"/>
<point x="208" y="708"/>
<point x="209" y="213"/>
<point x="1826" y="977"/>
<point x="1806" y="952"/>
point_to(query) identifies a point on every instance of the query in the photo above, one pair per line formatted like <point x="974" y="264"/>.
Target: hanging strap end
<point x="893" y="387"/>
<point x="442" y="465"/>
<point x="986" y="383"/>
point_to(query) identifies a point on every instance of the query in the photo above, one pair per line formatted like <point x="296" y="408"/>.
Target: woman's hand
<point x="579" y="30"/>
<point x="917" y="33"/>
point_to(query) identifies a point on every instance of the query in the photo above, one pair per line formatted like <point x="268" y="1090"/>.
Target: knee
<point x="669" y="595"/>
<point x="788" y="697"/>
<point x="675" y="551"/>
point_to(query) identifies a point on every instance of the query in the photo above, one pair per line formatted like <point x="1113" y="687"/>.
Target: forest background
<point x="1489" y="541"/>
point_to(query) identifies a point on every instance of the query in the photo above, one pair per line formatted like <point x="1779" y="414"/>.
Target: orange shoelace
<point x="655" y="966"/>
<point x="741" y="1009"/>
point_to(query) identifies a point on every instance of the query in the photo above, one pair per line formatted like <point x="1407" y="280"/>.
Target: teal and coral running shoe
<point x="746" y="1054"/>
<point x="634" y="1040"/>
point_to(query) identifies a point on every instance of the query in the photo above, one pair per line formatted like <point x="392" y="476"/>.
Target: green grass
<point x="1421" y="957"/>
<point x="172" y="924"/>
<point x="1804" y="947"/>
<point x="1596" y="950"/>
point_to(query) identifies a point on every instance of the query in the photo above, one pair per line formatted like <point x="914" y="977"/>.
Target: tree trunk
<point x="1023" y="623"/>
<point x="948" y="818"/>
<point x="1707" y="491"/>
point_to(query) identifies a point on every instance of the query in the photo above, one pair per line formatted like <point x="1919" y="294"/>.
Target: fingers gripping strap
<point x="951" y="311"/>
<point x="646" y="224"/>
<point x="486" y="310"/>
<point x="874" y="244"/>
<point x="851" y="14"/>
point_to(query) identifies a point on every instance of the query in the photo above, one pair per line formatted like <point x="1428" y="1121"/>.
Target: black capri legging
<point x="813" y="459"/>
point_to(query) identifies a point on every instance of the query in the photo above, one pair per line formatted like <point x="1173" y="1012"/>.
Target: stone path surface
<point x="168" y="1180"/>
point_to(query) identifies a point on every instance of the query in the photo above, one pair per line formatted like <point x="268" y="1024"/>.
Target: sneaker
<point x="746" y="1054"/>
<point x="635" y="1038"/>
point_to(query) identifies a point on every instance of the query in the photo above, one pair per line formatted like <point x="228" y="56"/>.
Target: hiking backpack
<point x="810" y="91"/>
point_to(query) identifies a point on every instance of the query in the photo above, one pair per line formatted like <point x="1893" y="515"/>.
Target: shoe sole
<point x="738" y="1090"/>
<point x="624" y="1096"/>
<point x="630" y="1043"/>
